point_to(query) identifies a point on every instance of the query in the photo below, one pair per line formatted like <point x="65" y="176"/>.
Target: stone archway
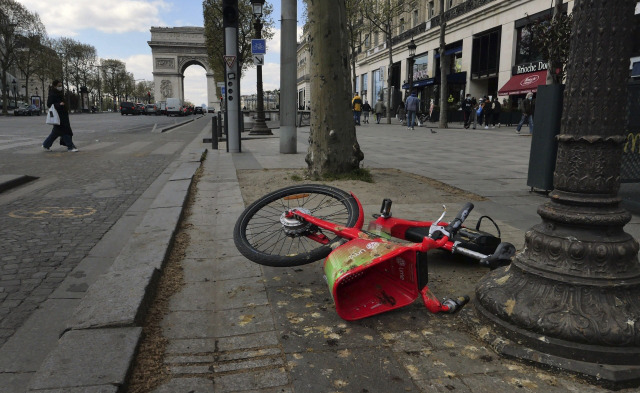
<point x="173" y="50"/>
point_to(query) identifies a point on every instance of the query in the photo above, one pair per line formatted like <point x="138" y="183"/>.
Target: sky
<point x="120" y="30"/>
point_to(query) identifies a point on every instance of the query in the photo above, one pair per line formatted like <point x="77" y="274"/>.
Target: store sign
<point x="530" y="67"/>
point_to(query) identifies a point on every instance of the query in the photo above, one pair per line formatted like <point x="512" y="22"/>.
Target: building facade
<point x="484" y="42"/>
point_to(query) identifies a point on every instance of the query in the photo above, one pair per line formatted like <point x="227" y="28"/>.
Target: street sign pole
<point x="232" y="76"/>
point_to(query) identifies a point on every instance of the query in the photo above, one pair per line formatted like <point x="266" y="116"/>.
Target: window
<point x="485" y="56"/>
<point x="401" y="26"/>
<point x="376" y="38"/>
<point x="367" y="41"/>
<point x="415" y="18"/>
<point x="431" y="9"/>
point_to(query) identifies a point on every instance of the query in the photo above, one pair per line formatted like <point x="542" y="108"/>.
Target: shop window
<point x="485" y="56"/>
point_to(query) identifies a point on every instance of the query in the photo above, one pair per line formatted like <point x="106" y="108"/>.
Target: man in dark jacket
<point x="528" y="108"/>
<point x="56" y="98"/>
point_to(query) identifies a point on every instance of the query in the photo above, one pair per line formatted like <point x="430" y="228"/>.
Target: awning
<point x="420" y="83"/>
<point x="635" y="71"/>
<point x="524" y="83"/>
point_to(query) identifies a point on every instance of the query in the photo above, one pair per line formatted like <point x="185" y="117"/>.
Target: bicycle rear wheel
<point x="261" y="236"/>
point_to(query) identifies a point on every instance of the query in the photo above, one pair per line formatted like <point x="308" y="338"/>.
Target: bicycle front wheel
<point x="262" y="237"/>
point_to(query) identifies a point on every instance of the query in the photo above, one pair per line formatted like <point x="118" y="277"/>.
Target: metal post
<point x="259" y="126"/>
<point x="232" y="74"/>
<point x="214" y="133"/>
<point x="570" y="298"/>
<point x="288" y="74"/>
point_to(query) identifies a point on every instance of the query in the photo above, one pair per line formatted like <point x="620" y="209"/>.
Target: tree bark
<point x="333" y="147"/>
<point x="553" y="77"/>
<point x="444" y="70"/>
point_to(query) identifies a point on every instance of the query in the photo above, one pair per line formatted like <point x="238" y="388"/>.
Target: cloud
<point x="69" y="17"/>
<point x="141" y="66"/>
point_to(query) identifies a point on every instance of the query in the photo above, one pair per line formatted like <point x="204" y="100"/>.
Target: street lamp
<point x="15" y="97"/>
<point x="260" y="126"/>
<point x="412" y="52"/>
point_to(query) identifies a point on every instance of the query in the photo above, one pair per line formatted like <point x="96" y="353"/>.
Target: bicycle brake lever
<point x="435" y="227"/>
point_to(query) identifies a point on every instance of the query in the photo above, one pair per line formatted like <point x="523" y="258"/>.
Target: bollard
<point x="219" y="124"/>
<point x="214" y="133"/>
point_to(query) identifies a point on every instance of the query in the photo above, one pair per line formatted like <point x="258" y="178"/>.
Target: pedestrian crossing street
<point x="34" y="146"/>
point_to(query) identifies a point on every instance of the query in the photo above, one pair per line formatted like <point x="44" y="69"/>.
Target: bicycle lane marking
<point x="53" y="212"/>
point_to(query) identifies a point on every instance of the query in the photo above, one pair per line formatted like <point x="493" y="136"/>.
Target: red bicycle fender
<point x="360" y="221"/>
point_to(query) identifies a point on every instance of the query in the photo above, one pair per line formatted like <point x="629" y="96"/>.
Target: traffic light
<point x="230" y="13"/>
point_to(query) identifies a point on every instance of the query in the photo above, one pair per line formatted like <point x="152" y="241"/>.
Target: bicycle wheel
<point x="264" y="236"/>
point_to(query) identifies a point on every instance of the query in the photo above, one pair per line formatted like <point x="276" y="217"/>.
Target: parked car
<point x="141" y="109"/>
<point x="128" y="108"/>
<point x="199" y="110"/>
<point x="27" y="110"/>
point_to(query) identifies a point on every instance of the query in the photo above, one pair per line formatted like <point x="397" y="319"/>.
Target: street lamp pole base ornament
<point x="571" y="298"/>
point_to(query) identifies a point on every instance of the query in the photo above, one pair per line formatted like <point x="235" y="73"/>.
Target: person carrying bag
<point x="52" y="117"/>
<point x="62" y="130"/>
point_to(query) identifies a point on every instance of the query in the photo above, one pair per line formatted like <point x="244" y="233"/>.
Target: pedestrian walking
<point x="379" y="108"/>
<point x="412" y="105"/>
<point x="496" y="108"/>
<point x="402" y="115"/>
<point x="467" y="107"/>
<point x="356" y="106"/>
<point x="63" y="131"/>
<point x="474" y="112"/>
<point x="528" y="108"/>
<point x="366" y="108"/>
<point x="487" y="112"/>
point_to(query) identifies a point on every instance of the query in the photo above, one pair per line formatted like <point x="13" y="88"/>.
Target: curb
<point x="97" y="348"/>
<point x="169" y="128"/>
<point x="8" y="182"/>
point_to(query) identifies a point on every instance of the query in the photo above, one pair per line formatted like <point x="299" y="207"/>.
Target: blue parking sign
<point x="223" y="90"/>
<point x="258" y="47"/>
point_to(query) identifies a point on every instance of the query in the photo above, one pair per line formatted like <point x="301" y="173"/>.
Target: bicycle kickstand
<point x="435" y="306"/>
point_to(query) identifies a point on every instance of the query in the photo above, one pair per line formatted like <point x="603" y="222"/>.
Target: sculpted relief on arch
<point x="166" y="89"/>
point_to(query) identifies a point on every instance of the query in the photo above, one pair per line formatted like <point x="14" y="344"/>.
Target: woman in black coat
<point x="56" y="98"/>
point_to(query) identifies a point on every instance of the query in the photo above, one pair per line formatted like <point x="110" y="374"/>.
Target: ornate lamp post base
<point x="571" y="298"/>
<point x="260" y="128"/>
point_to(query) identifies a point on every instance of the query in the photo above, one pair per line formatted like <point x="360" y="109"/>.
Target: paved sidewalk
<point x="240" y="327"/>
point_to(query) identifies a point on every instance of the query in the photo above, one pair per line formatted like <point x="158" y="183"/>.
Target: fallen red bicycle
<point x="368" y="272"/>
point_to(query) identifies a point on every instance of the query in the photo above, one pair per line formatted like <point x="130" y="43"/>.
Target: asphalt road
<point x="49" y="225"/>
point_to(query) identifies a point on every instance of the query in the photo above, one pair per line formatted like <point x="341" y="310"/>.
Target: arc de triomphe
<point x="173" y="50"/>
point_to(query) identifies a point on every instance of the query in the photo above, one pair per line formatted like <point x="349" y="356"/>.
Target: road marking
<point x="53" y="212"/>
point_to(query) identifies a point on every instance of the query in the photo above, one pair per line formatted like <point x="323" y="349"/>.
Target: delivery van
<point x="174" y="106"/>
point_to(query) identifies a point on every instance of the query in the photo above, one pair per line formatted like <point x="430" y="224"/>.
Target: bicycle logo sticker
<point x="53" y="212"/>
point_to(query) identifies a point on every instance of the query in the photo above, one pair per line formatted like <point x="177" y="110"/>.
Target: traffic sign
<point x="258" y="47"/>
<point x="229" y="60"/>
<point x="220" y="84"/>
<point x="223" y="90"/>
<point x="258" y="60"/>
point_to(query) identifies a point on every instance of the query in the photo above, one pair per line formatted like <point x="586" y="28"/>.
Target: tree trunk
<point x="389" y="68"/>
<point x="444" y="70"/>
<point x="554" y="77"/>
<point x="333" y="147"/>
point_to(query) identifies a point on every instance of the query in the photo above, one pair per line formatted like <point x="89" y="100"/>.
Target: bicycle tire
<point x="260" y="236"/>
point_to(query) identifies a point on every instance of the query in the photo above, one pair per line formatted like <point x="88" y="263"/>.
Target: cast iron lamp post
<point x="260" y="126"/>
<point x="412" y="52"/>
<point x="571" y="298"/>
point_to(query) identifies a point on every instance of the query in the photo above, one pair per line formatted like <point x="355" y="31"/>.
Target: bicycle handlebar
<point x="467" y="253"/>
<point x="462" y="215"/>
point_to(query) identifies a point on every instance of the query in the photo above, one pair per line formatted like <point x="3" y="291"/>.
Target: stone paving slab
<point x="89" y="358"/>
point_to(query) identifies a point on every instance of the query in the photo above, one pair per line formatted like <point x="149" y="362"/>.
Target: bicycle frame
<point x="370" y="274"/>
